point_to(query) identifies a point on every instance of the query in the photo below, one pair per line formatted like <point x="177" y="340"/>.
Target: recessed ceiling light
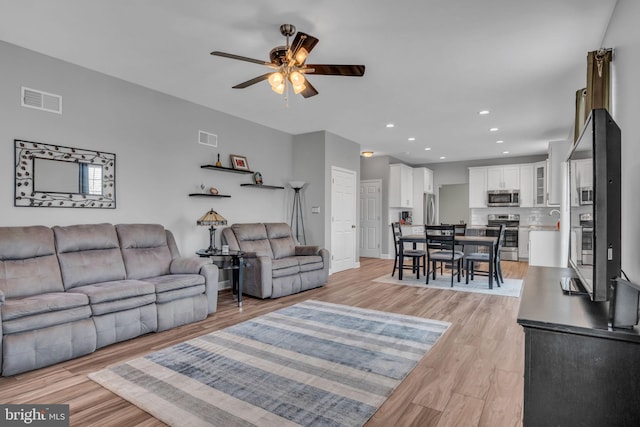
<point x="493" y="130"/>
<point x="442" y="157"/>
<point x="499" y="141"/>
<point x="412" y="139"/>
<point x="505" y="152"/>
<point x="427" y="149"/>
<point x="390" y="125"/>
<point x="483" y="112"/>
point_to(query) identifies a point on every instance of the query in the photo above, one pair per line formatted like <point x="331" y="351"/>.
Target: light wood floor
<point x="472" y="377"/>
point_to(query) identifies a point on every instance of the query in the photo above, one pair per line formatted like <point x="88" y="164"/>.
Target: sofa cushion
<point x="144" y="250"/>
<point x="281" y="240"/>
<point x="253" y="238"/>
<point x="45" y="320"/>
<point x="310" y="263"/>
<point x="175" y="281"/>
<point x="116" y="290"/>
<point x="88" y="253"/>
<point x="28" y="265"/>
<point x="284" y="267"/>
<point x="44" y="303"/>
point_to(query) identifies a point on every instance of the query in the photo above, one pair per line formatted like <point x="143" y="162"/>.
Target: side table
<point x="230" y="260"/>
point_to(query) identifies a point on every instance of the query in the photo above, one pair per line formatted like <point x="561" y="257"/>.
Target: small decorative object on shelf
<point x="257" y="178"/>
<point x="239" y="162"/>
<point x="218" y="163"/>
<point x="213" y="190"/>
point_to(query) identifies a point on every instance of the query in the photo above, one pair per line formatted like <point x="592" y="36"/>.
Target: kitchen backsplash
<point x="528" y="216"/>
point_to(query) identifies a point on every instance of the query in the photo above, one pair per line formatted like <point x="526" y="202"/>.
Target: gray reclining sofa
<point x="67" y="291"/>
<point x="277" y="266"/>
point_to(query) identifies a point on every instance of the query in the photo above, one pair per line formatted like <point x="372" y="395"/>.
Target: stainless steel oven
<point x="509" y="250"/>
<point x="503" y="198"/>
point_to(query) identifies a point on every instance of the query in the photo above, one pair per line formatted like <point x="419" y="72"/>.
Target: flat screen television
<point x="595" y="205"/>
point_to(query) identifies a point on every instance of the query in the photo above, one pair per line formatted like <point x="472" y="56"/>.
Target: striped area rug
<point x="313" y="364"/>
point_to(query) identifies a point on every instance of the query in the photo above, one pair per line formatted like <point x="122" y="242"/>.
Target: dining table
<point x="487" y="241"/>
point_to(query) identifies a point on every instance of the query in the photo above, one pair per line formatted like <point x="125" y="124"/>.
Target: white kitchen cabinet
<point x="478" y="187"/>
<point x="545" y="248"/>
<point x="523" y="242"/>
<point x="503" y="177"/>
<point x="400" y="186"/>
<point x="557" y="156"/>
<point x="584" y="172"/>
<point x="428" y="180"/>
<point x="540" y="183"/>
<point x="526" y="186"/>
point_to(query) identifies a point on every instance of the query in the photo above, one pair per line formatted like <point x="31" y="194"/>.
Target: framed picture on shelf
<point x="239" y="162"/>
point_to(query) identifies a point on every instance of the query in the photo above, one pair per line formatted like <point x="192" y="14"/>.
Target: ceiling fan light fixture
<point x="301" y="55"/>
<point x="276" y="79"/>
<point x="279" y="89"/>
<point x="296" y="78"/>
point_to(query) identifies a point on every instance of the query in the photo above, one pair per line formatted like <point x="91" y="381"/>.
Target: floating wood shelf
<point x="208" y="195"/>
<point x="225" y="169"/>
<point x="273" y="187"/>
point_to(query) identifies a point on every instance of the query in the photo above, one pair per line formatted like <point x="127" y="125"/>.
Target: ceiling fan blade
<point x="252" y="81"/>
<point x="303" y="44"/>
<point x="309" y="91"/>
<point x="240" y="58"/>
<point x="335" y="70"/>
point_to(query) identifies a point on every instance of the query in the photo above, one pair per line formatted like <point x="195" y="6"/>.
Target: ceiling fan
<point x="289" y="65"/>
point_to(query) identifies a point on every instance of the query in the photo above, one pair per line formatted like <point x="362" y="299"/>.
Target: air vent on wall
<point x="33" y="98"/>
<point x="207" y="138"/>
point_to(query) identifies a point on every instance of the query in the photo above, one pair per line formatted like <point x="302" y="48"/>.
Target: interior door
<point x="370" y="218"/>
<point x="343" y="219"/>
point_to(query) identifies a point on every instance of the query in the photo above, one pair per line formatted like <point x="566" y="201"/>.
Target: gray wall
<point x="154" y="137"/>
<point x="623" y="35"/>
<point x="314" y="154"/>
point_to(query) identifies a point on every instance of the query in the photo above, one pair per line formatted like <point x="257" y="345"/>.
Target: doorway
<point x="343" y="219"/>
<point x="370" y="218"/>
<point x="454" y="204"/>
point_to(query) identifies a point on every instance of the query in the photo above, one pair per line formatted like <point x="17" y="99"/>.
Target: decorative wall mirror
<point x="63" y="177"/>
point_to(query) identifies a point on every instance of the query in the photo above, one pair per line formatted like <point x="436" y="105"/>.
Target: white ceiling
<point x="431" y="64"/>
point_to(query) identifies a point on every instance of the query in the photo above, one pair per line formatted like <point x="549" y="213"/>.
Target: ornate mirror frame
<point x="26" y="152"/>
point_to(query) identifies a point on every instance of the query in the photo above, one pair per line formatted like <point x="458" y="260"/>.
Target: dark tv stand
<point x="577" y="371"/>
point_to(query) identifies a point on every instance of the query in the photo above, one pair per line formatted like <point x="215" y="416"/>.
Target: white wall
<point x="623" y="35"/>
<point x="154" y="137"/>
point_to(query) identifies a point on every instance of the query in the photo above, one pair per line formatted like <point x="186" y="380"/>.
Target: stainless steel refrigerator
<point x="429" y="209"/>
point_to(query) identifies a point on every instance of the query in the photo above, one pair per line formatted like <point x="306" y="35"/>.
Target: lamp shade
<point x="212" y="218"/>
<point x="297" y="184"/>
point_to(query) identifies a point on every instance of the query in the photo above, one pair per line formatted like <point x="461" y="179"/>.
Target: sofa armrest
<point x="204" y="267"/>
<point x="306" y="250"/>
<point x="257" y="278"/>
<point x="188" y="265"/>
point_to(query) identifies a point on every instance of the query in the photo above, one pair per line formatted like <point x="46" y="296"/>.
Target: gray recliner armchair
<point x="277" y="266"/>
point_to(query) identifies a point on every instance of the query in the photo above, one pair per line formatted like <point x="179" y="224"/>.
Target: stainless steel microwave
<point x="586" y="195"/>
<point x="503" y="198"/>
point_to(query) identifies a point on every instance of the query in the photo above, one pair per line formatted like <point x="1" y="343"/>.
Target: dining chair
<point x="441" y="249"/>
<point x="458" y="230"/>
<point x="413" y="254"/>
<point x="478" y="257"/>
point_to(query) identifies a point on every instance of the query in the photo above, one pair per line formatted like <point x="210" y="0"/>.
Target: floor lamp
<point x="296" y="212"/>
